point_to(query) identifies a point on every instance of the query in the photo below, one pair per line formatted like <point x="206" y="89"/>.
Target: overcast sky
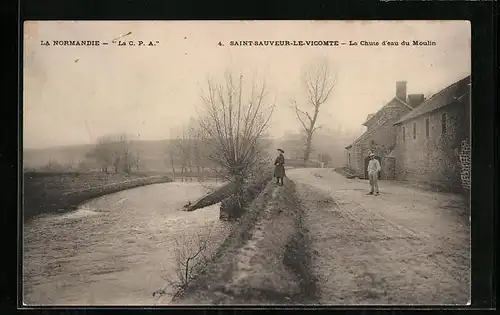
<point x="72" y="95"/>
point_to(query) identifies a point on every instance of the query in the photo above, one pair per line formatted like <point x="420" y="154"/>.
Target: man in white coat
<point x="373" y="171"/>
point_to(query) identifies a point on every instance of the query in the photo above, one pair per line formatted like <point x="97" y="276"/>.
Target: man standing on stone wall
<point x="373" y="170"/>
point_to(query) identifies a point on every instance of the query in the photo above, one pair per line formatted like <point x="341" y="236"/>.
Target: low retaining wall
<point x="70" y="200"/>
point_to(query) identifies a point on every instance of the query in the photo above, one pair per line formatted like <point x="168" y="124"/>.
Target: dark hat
<point x="281" y="150"/>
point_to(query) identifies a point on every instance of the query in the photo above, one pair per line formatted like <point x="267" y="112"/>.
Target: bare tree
<point x="114" y="151"/>
<point x="138" y="153"/>
<point x="170" y="153"/>
<point x="234" y="121"/>
<point x="126" y="153"/>
<point x="170" y="156"/>
<point x="195" y="135"/>
<point x="319" y="81"/>
<point x="192" y="255"/>
<point x="121" y="153"/>
<point x="102" y="153"/>
<point x="71" y="162"/>
<point x="182" y="148"/>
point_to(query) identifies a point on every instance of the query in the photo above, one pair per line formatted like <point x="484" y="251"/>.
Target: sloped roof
<point x="443" y="98"/>
<point x="369" y="132"/>
<point x="364" y="135"/>
<point x="388" y="104"/>
<point x="368" y="118"/>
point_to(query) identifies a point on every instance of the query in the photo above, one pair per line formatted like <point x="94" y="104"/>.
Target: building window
<point x="427" y="128"/>
<point x="414" y="130"/>
<point x="443" y="123"/>
<point x="403" y="134"/>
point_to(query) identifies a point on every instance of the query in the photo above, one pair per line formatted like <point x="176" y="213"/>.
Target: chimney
<point x="401" y="90"/>
<point x="414" y="100"/>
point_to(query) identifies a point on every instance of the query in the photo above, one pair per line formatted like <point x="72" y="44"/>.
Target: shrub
<point x="234" y="206"/>
<point x="191" y="259"/>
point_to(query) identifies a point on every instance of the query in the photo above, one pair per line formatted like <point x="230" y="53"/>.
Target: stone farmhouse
<point x="433" y="143"/>
<point x="419" y="140"/>
<point x="381" y="133"/>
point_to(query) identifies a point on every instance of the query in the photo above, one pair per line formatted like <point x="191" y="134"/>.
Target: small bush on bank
<point x="191" y="259"/>
<point x="234" y="206"/>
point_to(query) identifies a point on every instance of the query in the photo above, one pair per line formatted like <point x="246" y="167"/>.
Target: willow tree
<point x="235" y="116"/>
<point x="319" y="81"/>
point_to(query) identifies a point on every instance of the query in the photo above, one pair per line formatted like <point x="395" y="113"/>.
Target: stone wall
<point x="351" y="157"/>
<point x="389" y="168"/>
<point x="434" y="157"/>
<point x="380" y="142"/>
<point x="465" y="161"/>
<point x="382" y="139"/>
<point x="358" y="154"/>
<point x="347" y="157"/>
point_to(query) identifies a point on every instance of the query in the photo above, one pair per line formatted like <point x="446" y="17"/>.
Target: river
<point x="116" y="249"/>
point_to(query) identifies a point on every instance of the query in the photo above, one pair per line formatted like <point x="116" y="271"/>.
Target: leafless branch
<point x="191" y="258"/>
<point x="234" y="122"/>
<point x="115" y="151"/>
<point x="319" y="82"/>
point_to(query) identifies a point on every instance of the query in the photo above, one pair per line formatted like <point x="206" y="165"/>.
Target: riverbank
<point x="265" y="259"/>
<point x="58" y="192"/>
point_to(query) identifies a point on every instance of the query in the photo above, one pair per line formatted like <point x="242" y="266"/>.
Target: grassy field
<point x="46" y="192"/>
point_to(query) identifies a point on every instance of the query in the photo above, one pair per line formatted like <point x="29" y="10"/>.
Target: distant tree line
<point x="188" y="151"/>
<point x="114" y="153"/>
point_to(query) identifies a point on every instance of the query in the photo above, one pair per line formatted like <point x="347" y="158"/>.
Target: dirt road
<point x="406" y="246"/>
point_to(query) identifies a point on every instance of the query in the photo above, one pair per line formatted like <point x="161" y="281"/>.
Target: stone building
<point x="381" y="134"/>
<point x="433" y="140"/>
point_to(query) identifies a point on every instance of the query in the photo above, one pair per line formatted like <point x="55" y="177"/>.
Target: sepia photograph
<point x="246" y="163"/>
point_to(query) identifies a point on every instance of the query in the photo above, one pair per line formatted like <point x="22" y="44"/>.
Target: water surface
<point x="116" y="249"/>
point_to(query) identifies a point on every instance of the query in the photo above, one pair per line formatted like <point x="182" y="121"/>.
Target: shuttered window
<point x="427" y="128"/>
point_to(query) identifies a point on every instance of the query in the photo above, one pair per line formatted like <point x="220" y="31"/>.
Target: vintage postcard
<point x="246" y="162"/>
